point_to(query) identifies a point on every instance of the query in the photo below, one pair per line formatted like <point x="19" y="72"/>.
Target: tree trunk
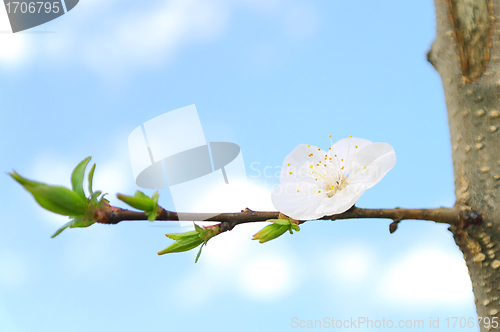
<point x="466" y="53"/>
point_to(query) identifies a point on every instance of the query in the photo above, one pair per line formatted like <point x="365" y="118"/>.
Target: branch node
<point x="225" y="226"/>
<point x="431" y="58"/>
<point x="394" y="225"/>
<point x="470" y="218"/>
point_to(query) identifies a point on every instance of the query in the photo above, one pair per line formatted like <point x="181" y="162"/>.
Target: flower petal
<point x="342" y="146"/>
<point x="301" y="195"/>
<point x="298" y="162"/>
<point x="342" y="201"/>
<point x="378" y="158"/>
<point x="344" y="149"/>
<point x="300" y="205"/>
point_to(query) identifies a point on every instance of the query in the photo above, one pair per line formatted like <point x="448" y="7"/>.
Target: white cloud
<point x="13" y="48"/>
<point x="259" y="272"/>
<point x="350" y="264"/>
<point x="229" y="248"/>
<point x="427" y="276"/>
<point x="113" y="176"/>
<point x="138" y="38"/>
<point x="256" y="272"/>
<point x="266" y="277"/>
<point x="147" y="39"/>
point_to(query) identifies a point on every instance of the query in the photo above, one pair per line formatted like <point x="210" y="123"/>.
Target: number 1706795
<point x="33" y="7"/>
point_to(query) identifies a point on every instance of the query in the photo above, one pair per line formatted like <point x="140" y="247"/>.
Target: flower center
<point x="332" y="187"/>
<point x="327" y="171"/>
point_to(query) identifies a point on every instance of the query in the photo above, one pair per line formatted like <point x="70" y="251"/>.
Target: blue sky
<point x="267" y="75"/>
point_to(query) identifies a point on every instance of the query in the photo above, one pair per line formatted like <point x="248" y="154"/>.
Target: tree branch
<point x="453" y="216"/>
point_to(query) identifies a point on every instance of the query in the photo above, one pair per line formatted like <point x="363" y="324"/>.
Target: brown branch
<point x="457" y="216"/>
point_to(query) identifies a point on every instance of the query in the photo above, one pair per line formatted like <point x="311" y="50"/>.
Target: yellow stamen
<point x="329" y="135"/>
<point x="290" y="173"/>
<point x="350" y="136"/>
<point x="288" y="164"/>
<point x="297" y="190"/>
<point x="364" y="167"/>
<point x="356" y="146"/>
<point x="308" y="145"/>
<point x="342" y="167"/>
<point x="319" y="191"/>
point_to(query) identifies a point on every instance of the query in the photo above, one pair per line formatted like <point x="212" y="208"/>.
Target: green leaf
<point x="140" y="194"/>
<point x="189" y="240"/>
<point x="200" y="230"/>
<point x="94" y="196"/>
<point x="295" y="227"/>
<point x="280" y="221"/>
<point x="208" y="232"/>
<point x="178" y="236"/>
<point x="155" y="197"/>
<point x="23" y="181"/>
<point x="77" y="177"/>
<point x="139" y="201"/>
<point x="198" y="254"/>
<point x="152" y="214"/>
<point x="142" y="202"/>
<point x="63" y="201"/>
<point x="91" y="179"/>
<point x="183" y="244"/>
<point x="103" y="199"/>
<point x="155" y="209"/>
<point x="63" y="227"/>
<point x="58" y="199"/>
<point x="80" y="222"/>
<point x="270" y="232"/>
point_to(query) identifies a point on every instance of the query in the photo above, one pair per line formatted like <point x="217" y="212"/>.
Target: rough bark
<point x="466" y="53"/>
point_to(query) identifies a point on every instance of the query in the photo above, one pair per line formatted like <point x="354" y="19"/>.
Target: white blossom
<point x="317" y="183"/>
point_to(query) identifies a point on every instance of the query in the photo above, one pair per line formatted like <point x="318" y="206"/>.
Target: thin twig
<point x="442" y="215"/>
